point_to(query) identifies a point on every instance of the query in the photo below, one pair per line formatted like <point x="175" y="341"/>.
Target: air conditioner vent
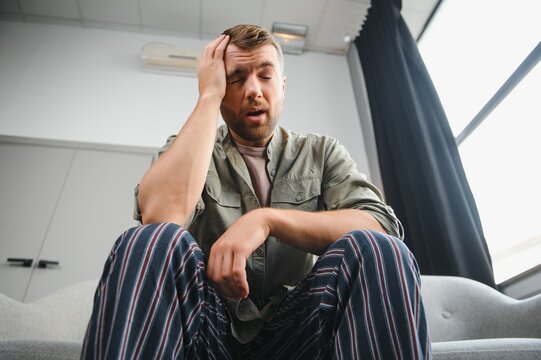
<point x="160" y="57"/>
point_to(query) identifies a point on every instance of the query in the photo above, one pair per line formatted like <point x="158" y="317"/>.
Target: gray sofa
<point x="467" y="320"/>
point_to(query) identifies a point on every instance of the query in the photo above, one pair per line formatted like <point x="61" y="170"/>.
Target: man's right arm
<point x="172" y="186"/>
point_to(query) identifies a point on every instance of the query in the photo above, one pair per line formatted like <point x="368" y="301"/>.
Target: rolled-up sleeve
<point x="344" y="187"/>
<point x="136" y="209"/>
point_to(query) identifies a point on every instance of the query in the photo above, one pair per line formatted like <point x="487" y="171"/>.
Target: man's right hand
<point x="211" y="74"/>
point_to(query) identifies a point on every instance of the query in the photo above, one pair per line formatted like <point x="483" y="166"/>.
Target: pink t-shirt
<point x="256" y="162"/>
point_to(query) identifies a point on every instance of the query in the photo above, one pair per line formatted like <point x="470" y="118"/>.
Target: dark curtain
<point x="422" y="174"/>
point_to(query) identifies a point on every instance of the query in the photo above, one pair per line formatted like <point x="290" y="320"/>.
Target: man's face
<point x="254" y="94"/>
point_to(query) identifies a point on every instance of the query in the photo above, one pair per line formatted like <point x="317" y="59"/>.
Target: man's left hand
<point x="226" y="267"/>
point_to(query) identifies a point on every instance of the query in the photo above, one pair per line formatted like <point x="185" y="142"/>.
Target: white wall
<point x="80" y="84"/>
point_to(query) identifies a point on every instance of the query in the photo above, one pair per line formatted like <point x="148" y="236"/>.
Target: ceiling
<point x="329" y="21"/>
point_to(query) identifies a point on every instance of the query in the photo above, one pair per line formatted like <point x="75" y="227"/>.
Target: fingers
<point x="211" y="74"/>
<point x="220" y="49"/>
<point x="239" y="276"/>
<point x="226" y="267"/>
<point x="216" y="48"/>
<point x="214" y="267"/>
<point x="227" y="272"/>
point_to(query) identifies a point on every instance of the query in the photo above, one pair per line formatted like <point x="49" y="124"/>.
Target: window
<point x="471" y="48"/>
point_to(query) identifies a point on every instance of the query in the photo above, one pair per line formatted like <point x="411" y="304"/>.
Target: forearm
<point x="171" y="187"/>
<point x="314" y="231"/>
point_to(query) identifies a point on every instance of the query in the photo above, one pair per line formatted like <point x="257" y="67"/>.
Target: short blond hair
<point x="247" y="36"/>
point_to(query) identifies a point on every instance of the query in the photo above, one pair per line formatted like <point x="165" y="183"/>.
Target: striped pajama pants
<point x="360" y="301"/>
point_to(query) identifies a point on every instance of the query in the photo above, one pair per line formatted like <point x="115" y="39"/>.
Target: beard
<point x="252" y="132"/>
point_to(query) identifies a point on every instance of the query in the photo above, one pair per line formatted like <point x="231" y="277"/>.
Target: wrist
<point x="269" y="218"/>
<point x="210" y="98"/>
<point x="263" y="217"/>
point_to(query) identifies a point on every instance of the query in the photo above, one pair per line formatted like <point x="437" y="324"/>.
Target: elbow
<point x="155" y="212"/>
<point x="157" y="207"/>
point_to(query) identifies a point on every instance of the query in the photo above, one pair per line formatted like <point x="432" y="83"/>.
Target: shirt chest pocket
<point x="222" y="196"/>
<point x="298" y="194"/>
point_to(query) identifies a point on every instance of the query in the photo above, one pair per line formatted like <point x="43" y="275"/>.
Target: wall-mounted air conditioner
<point x="165" y="58"/>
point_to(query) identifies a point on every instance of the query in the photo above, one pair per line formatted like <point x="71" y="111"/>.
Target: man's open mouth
<point x="255" y="113"/>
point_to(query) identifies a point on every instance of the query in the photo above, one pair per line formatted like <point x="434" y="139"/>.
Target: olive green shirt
<point x="309" y="173"/>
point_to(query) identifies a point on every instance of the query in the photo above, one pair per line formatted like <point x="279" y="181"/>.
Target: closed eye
<point x="234" y="80"/>
<point x="267" y="75"/>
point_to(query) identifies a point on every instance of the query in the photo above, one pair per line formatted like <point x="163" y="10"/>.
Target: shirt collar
<point x="274" y="148"/>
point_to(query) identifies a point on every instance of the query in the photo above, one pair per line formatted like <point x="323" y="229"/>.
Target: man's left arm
<point x="312" y="232"/>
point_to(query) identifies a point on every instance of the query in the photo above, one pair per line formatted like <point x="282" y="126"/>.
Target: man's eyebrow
<point x="265" y="64"/>
<point x="241" y="70"/>
<point x="235" y="71"/>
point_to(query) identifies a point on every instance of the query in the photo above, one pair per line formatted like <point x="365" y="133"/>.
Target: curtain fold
<point x="421" y="170"/>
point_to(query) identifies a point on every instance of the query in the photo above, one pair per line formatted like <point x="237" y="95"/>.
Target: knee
<point x="376" y="240"/>
<point x="152" y="238"/>
<point x="363" y="238"/>
<point x="369" y="246"/>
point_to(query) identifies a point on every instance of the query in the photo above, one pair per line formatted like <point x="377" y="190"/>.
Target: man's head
<point x="255" y="84"/>
<point x="248" y="37"/>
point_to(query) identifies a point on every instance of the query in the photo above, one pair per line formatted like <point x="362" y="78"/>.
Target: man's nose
<point x="253" y="88"/>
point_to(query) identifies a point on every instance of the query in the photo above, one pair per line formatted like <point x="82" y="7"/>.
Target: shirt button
<point x="298" y="197"/>
<point x="273" y="172"/>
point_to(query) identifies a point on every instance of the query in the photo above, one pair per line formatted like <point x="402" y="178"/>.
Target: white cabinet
<point x="31" y="180"/>
<point x="64" y="204"/>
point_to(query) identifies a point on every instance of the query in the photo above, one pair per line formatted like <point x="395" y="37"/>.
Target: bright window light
<point x="470" y="49"/>
<point x="502" y="160"/>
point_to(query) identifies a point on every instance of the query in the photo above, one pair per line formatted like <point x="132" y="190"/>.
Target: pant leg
<point x="153" y="301"/>
<point x="361" y="301"/>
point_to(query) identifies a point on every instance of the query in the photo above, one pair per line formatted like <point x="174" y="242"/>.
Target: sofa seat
<point x="25" y="349"/>
<point x="466" y="319"/>
<point x="488" y="349"/>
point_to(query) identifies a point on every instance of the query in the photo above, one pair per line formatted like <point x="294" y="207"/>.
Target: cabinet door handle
<point x="21" y="262"/>
<point x="42" y="264"/>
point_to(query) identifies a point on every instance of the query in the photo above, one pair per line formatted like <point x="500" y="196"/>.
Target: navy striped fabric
<point x="361" y="301"/>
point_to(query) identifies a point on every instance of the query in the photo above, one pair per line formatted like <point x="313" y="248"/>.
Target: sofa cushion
<point x="39" y="350"/>
<point x="488" y="349"/>
<point x="60" y="316"/>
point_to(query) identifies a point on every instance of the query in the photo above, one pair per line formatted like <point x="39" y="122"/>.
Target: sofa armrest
<point x="60" y="316"/>
<point x="462" y="309"/>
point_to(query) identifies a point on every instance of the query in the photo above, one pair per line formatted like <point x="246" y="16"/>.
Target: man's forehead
<point x="235" y="56"/>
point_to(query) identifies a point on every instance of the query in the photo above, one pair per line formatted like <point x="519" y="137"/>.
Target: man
<point x="260" y="202"/>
